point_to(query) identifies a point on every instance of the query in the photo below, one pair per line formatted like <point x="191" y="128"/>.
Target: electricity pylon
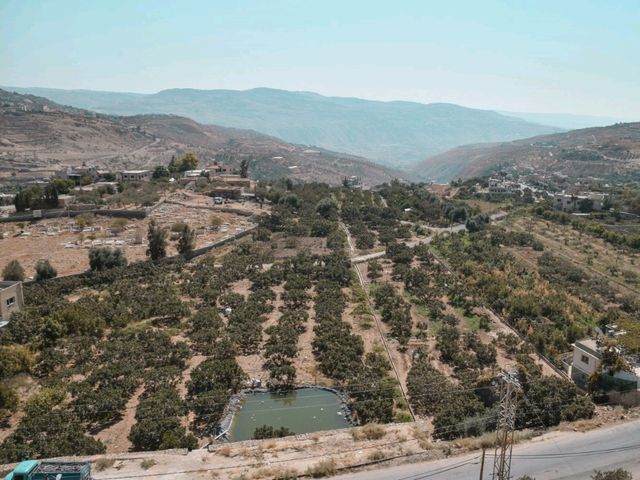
<point x="509" y="387"/>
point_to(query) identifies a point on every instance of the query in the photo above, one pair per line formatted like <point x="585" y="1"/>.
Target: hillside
<point x="603" y="152"/>
<point x="391" y="133"/>
<point x="36" y="133"/>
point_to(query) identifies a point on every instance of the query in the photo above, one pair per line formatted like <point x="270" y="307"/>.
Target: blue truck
<point x="41" y="470"/>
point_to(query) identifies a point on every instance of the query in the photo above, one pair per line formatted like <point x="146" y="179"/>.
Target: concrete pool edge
<point x="225" y="424"/>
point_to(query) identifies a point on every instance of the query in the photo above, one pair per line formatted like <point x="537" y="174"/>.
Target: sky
<point x="560" y="56"/>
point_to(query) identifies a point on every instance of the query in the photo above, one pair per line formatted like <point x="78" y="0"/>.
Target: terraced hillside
<point x="604" y="152"/>
<point x="36" y="133"/>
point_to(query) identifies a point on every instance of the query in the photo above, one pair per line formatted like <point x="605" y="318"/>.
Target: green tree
<point x="22" y="200"/>
<point x="244" y="168"/>
<point x="585" y="205"/>
<point x="374" y="270"/>
<point x="189" y="162"/>
<point x="62" y="186"/>
<point x="50" y="195"/>
<point x="327" y="208"/>
<point x="103" y="258"/>
<point x="267" y="431"/>
<point x="618" y="474"/>
<point x="13" y="271"/>
<point x="157" y="237"/>
<point x="158" y="421"/>
<point x="44" y="270"/>
<point x="161" y="172"/>
<point x="187" y="241"/>
<point x="8" y="400"/>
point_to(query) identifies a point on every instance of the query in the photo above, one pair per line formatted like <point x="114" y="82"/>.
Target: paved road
<point x="556" y="456"/>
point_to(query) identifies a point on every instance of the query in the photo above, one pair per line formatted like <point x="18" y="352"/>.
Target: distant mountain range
<point x="390" y="133"/>
<point x="611" y="152"/>
<point x="568" y="121"/>
<point x="37" y="133"/>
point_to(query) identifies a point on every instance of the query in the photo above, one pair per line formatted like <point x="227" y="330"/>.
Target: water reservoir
<point x="301" y="411"/>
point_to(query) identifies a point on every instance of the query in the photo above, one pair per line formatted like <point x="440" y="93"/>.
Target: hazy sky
<point x="570" y="56"/>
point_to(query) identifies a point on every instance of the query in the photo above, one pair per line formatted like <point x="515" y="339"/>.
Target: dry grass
<point x="488" y="440"/>
<point x="423" y="438"/>
<point x="376" y="456"/>
<point x="225" y="451"/>
<point x="371" y="431"/>
<point x="147" y="463"/>
<point x="324" y="468"/>
<point x="275" y="473"/>
<point x="103" y="463"/>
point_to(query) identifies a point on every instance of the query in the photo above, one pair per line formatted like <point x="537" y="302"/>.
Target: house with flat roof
<point x="587" y="359"/>
<point x="134" y="175"/>
<point x="11" y="300"/>
<point x="570" y="203"/>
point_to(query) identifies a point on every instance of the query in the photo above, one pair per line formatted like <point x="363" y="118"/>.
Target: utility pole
<point x="484" y="451"/>
<point x="509" y="387"/>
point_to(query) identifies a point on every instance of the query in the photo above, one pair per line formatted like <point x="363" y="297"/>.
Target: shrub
<point x="104" y="258"/>
<point x="371" y="431"/>
<point x="147" y="463"/>
<point x="13" y="271"/>
<point x="178" y="227"/>
<point x="15" y="359"/>
<point x="45" y="271"/>
<point x="618" y="474"/>
<point x="157" y="237"/>
<point x="267" y="431"/>
<point x="376" y="456"/>
<point x="103" y="463"/>
<point x="118" y="225"/>
<point x="8" y="400"/>
<point x="187" y="241"/>
<point x="324" y="468"/>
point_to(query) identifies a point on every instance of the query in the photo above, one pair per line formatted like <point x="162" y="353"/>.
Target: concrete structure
<point x="352" y="182"/>
<point x="221" y="168"/>
<point x="570" y="203"/>
<point x="65" y="200"/>
<point x="7" y="198"/>
<point x="502" y="186"/>
<point x="587" y="359"/>
<point x="196" y="173"/>
<point x="235" y="180"/>
<point x="134" y="175"/>
<point x="77" y="173"/>
<point x="11" y="300"/>
<point x="228" y="192"/>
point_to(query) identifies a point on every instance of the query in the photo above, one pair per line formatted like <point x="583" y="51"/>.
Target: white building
<point x="587" y="359"/>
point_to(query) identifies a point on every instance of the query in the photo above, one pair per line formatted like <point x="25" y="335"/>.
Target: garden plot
<point x="619" y="265"/>
<point x="65" y="242"/>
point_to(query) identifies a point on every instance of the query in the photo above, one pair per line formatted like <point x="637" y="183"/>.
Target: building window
<point x="585" y="359"/>
<point x="11" y="301"/>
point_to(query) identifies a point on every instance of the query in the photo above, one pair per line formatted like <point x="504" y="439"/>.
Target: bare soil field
<point x="65" y="242"/>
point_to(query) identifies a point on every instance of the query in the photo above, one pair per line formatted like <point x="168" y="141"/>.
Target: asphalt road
<point x="556" y="456"/>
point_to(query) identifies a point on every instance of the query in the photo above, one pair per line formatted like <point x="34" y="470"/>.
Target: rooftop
<point x="589" y="345"/>
<point x="8" y="283"/>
